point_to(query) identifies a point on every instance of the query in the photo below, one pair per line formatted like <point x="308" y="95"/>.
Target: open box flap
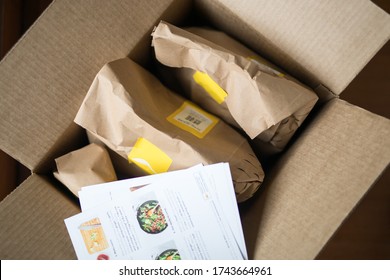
<point x="44" y="79"/>
<point x="319" y="42"/>
<point x="317" y="182"/>
<point x="32" y="222"/>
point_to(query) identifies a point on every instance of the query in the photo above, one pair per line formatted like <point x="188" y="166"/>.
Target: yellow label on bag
<point x="193" y="119"/>
<point x="149" y="157"/>
<point x="210" y="86"/>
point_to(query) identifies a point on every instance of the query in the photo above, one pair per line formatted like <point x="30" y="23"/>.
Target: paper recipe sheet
<point x="176" y="215"/>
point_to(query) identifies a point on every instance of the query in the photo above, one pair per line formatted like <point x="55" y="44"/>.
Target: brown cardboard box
<point x="307" y="194"/>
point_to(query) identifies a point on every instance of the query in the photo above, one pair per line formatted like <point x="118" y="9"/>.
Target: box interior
<point x="56" y="63"/>
<point x="60" y="62"/>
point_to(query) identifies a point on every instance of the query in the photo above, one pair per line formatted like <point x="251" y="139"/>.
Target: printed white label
<point x="193" y="119"/>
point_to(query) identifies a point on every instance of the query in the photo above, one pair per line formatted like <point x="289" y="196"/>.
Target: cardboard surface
<point x="308" y="194"/>
<point x="317" y="182"/>
<point x="32" y="222"/>
<point x="320" y="42"/>
<point x="50" y="70"/>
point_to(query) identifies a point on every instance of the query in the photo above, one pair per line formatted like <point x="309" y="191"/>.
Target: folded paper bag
<point x="87" y="166"/>
<point x="229" y="80"/>
<point x="156" y="130"/>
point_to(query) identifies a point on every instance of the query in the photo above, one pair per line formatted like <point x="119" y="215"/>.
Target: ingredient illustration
<point x="93" y="236"/>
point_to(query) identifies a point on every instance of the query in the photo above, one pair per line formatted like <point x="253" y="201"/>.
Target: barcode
<point x="193" y="120"/>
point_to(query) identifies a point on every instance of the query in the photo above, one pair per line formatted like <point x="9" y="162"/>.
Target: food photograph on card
<point x="151" y="218"/>
<point x="93" y="236"/>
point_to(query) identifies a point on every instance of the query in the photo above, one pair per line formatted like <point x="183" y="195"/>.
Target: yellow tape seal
<point x="210" y="86"/>
<point x="193" y="119"/>
<point x="149" y="157"/>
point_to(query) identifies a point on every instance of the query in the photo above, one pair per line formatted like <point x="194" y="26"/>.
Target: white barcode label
<point x="193" y="119"/>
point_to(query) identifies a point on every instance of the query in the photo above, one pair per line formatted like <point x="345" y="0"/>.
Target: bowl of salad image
<point x="170" y="254"/>
<point x="151" y="217"/>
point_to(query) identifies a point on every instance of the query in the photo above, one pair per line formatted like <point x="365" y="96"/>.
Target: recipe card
<point x="178" y="216"/>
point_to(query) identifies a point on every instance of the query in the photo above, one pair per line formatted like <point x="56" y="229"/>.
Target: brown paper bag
<point x="233" y="83"/>
<point x="132" y="113"/>
<point x="87" y="166"/>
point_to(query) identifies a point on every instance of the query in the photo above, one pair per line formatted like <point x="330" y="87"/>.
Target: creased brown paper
<point x="132" y="113"/>
<point x="87" y="166"/>
<point x="267" y="104"/>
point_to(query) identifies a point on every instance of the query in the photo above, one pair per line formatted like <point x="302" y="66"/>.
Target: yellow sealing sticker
<point x="193" y="119"/>
<point x="149" y="157"/>
<point x="210" y="86"/>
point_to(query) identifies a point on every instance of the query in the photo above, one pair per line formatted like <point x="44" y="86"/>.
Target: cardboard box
<point x="308" y="192"/>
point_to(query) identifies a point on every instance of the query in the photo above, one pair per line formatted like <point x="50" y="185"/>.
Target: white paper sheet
<point x="199" y="206"/>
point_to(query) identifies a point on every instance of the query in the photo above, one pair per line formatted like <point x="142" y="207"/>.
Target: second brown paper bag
<point x="87" y="166"/>
<point x="234" y="83"/>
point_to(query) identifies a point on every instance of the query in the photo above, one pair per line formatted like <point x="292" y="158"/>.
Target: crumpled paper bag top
<point x="234" y="83"/>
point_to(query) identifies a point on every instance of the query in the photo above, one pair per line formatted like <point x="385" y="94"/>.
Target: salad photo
<point x="171" y="254"/>
<point x="151" y="218"/>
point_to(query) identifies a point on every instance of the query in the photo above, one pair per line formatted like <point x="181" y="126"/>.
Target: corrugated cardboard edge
<point x="318" y="42"/>
<point x="32" y="222"/>
<point x="317" y="183"/>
